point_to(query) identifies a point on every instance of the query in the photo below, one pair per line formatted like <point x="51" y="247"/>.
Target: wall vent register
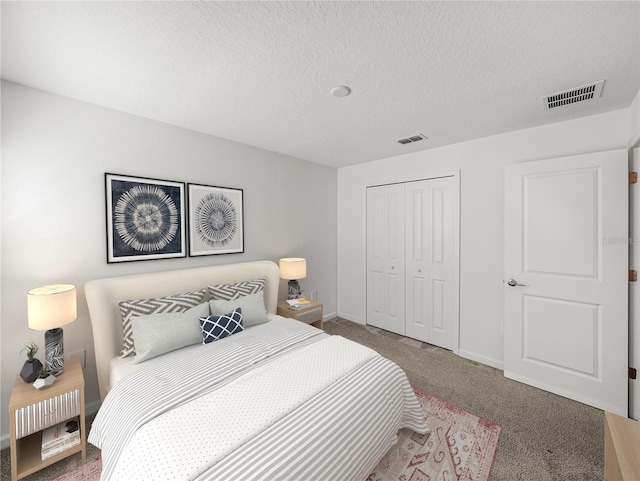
<point x="413" y="138"/>
<point x="578" y="94"/>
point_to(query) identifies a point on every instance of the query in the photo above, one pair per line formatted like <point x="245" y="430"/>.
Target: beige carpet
<point x="544" y="437"/>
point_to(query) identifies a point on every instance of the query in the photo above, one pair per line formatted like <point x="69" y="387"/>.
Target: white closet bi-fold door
<point x="410" y="259"/>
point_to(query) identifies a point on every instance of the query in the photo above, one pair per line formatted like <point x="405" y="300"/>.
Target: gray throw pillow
<point x="253" y="310"/>
<point x="142" y="307"/>
<point x="157" y="334"/>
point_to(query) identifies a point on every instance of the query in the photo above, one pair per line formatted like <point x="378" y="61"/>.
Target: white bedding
<point x="321" y="408"/>
<point x="121" y="367"/>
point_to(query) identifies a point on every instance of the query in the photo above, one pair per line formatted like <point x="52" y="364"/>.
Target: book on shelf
<point x="69" y="443"/>
<point x="60" y="437"/>
<point x="298" y="303"/>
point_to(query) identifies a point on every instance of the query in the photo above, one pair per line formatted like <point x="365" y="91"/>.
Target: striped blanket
<point x="284" y="401"/>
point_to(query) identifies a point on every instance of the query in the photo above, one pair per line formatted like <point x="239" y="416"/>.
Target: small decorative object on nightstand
<point x="311" y="314"/>
<point x="31" y="411"/>
<point x="45" y="379"/>
<point x="32" y="365"/>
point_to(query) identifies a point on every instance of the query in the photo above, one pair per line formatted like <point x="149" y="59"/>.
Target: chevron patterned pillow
<point x="217" y="327"/>
<point x="144" y="307"/>
<point x="231" y="292"/>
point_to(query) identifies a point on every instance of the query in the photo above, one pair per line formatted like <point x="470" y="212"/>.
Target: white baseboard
<point x="352" y="319"/>
<point x="481" y="359"/>
<point x="326" y="317"/>
<point x="88" y="409"/>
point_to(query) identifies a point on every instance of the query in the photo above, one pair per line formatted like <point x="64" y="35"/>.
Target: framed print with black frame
<point x="145" y="218"/>
<point x="216" y="224"/>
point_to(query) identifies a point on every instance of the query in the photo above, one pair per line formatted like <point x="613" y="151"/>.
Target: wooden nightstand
<point x="32" y="410"/>
<point x="311" y="314"/>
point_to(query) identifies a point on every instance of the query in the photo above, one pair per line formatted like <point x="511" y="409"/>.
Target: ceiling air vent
<point x="413" y="138"/>
<point x="572" y="96"/>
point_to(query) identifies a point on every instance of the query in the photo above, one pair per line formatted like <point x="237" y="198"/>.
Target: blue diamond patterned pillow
<point x="217" y="327"/>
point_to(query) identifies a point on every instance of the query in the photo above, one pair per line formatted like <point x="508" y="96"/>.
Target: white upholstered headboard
<point x="103" y="296"/>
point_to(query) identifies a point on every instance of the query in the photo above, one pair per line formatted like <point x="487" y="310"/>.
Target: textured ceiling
<point x="260" y="72"/>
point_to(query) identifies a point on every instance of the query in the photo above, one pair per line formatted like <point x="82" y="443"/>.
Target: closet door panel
<point x="385" y="258"/>
<point x="418" y="293"/>
<point x="441" y="261"/>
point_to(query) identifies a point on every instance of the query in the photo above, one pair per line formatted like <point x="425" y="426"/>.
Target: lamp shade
<point x="293" y="268"/>
<point x="51" y="306"/>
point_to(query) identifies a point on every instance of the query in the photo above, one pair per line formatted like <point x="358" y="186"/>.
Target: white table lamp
<point x="293" y="269"/>
<point x="50" y="308"/>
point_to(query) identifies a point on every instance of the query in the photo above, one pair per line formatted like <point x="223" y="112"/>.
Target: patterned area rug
<point x="460" y="447"/>
<point x="89" y="471"/>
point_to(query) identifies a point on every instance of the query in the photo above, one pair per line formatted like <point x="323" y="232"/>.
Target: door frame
<point x="401" y="179"/>
<point x="634" y="287"/>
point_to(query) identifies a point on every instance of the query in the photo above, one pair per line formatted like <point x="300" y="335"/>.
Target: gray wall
<point x="55" y="152"/>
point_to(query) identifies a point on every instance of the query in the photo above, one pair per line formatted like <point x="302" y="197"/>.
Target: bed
<point x="278" y="400"/>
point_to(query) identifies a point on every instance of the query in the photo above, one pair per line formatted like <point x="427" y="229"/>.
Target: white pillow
<point x="253" y="310"/>
<point x="157" y="334"/>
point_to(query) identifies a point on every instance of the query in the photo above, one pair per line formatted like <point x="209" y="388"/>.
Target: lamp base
<point x="293" y="291"/>
<point x="54" y="351"/>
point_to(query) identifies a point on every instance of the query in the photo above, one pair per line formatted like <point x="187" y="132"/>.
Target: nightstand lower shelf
<point x="29" y="458"/>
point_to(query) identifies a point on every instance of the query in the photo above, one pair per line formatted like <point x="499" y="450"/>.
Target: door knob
<point x="514" y="283"/>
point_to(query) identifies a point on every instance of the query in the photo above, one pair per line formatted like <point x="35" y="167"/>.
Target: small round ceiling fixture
<point x="340" y="91"/>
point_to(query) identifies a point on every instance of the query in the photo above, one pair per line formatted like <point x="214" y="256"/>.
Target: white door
<point x="385" y="257"/>
<point x="430" y="221"/>
<point x="566" y="277"/>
